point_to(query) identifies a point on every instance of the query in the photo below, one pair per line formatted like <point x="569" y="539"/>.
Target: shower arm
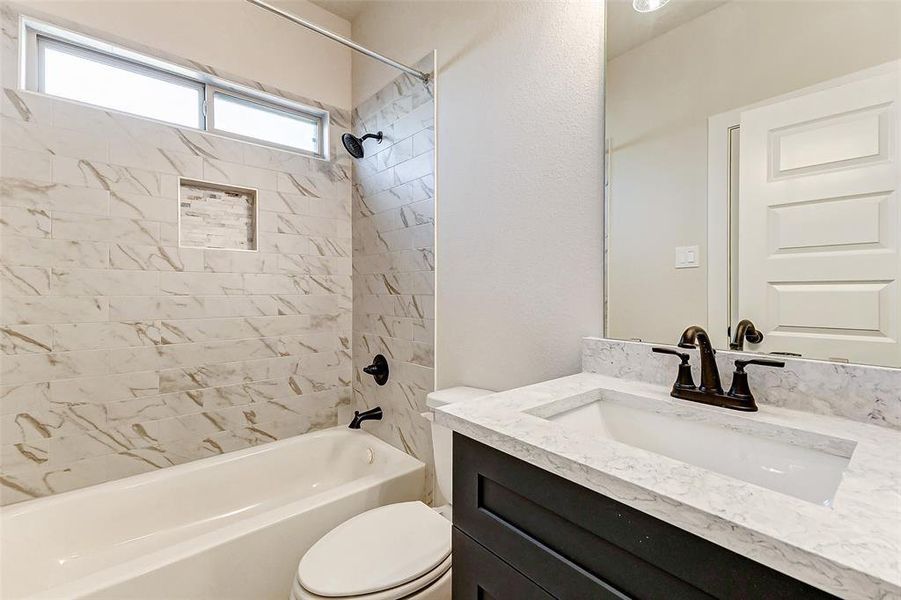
<point x="425" y="77"/>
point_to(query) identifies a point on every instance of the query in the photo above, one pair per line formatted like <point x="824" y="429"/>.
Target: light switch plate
<point x="688" y="257"/>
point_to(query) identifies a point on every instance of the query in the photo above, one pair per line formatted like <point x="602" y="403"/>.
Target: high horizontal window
<point x="69" y="65"/>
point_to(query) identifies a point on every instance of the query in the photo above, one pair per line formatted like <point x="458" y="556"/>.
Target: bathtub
<point x="231" y="526"/>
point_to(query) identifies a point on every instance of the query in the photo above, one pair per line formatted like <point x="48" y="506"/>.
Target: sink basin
<point x="802" y="464"/>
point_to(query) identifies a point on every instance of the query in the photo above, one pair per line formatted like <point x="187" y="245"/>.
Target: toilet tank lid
<point x="454" y="394"/>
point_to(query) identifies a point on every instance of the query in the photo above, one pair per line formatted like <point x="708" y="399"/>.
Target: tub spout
<point x="373" y="414"/>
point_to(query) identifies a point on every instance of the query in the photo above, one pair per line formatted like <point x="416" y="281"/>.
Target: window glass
<point x="89" y="77"/>
<point x="249" y="119"/>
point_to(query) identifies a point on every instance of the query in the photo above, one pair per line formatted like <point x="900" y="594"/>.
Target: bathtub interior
<point x="63" y="538"/>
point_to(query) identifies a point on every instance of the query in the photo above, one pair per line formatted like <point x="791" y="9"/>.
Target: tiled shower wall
<point x="394" y="261"/>
<point x="121" y="351"/>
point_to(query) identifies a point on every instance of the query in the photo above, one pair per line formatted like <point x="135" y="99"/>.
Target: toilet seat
<point x="412" y="590"/>
<point x="386" y="553"/>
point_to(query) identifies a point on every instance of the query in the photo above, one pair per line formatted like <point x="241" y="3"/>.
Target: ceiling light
<point x="644" y="6"/>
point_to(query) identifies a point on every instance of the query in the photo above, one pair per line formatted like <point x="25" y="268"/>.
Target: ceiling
<point x="627" y="28"/>
<point x="346" y="9"/>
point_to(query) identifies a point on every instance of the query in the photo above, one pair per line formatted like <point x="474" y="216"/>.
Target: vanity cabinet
<point x="522" y="532"/>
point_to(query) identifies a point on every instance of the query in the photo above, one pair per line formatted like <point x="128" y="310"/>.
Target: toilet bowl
<point x="398" y="551"/>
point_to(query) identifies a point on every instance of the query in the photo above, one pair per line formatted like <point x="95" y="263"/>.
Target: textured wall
<point x="123" y="353"/>
<point x="393" y="260"/>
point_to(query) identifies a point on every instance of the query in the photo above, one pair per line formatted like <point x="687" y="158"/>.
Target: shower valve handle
<point x="378" y="369"/>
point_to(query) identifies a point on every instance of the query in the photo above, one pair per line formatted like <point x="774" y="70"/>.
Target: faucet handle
<point x="684" y="380"/>
<point x="740" y="389"/>
<point x="682" y="355"/>
<point x="763" y="362"/>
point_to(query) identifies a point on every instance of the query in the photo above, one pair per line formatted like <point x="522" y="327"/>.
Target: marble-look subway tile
<point x="37" y="195"/>
<point x="155" y="258"/>
<point x="283" y="202"/>
<point x="140" y="206"/>
<point x="113" y="178"/>
<point x="27" y="222"/>
<point x="423" y="141"/>
<point x="35" y="252"/>
<point x="19" y="456"/>
<point x="127" y="308"/>
<point x="148" y="157"/>
<point x="75" y="226"/>
<point x="100" y="390"/>
<point x="201" y="144"/>
<point x="25" y="107"/>
<point x="278" y="244"/>
<point x="30" y="368"/>
<point x="241" y="175"/>
<point x="257" y="283"/>
<point x="415" y="168"/>
<point x="21" y="398"/>
<point x="24" y="281"/>
<point x="25" y="339"/>
<point x="224" y="261"/>
<point x="53" y="140"/>
<point x="54" y="309"/>
<point x="24" y="164"/>
<point x="215" y="375"/>
<point x="97" y="282"/>
<point x="98" y="336"/>
<point x="202" y="284"/>
<point x="312" y="184"/>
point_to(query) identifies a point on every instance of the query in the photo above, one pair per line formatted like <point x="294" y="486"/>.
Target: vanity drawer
<point x="576" y="543"/>
<point x="480" y="575"/>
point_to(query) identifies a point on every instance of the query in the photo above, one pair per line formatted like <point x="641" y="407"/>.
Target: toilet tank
<point x="442" y="438"/>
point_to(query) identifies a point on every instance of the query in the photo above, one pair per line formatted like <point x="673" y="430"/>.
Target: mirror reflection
<point x="752" y="175"/>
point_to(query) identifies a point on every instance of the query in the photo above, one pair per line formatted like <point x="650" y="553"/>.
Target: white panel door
<point x="819" y="217"/>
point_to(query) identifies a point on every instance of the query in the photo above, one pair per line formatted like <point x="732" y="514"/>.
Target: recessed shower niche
<point x="215" y="215"/>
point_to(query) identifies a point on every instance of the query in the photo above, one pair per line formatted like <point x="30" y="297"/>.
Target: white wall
<point x="659" y="97"/>
<point x="230" y="35"/>
<point x="519" y="211"/>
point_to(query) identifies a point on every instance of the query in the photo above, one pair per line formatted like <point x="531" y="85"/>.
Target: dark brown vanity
<point x="523" y="533"/>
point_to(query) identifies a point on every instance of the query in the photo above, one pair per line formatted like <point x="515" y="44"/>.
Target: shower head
<point x="354" y="144"/>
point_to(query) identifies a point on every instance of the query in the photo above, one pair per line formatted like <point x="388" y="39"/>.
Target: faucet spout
<point x="696" y="337"/>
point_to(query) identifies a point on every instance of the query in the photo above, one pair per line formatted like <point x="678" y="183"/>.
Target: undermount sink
<point x="802" y="464"/>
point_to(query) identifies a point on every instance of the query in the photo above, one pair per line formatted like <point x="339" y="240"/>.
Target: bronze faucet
<point x="710" y="391"/>
<point x="695" y="337"/>
<point x="745" y="331"/>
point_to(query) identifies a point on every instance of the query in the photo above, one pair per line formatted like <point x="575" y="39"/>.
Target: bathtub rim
<point x="141" y="479"/>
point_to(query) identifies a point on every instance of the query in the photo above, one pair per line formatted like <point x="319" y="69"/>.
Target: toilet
<point x="401" y="550"/>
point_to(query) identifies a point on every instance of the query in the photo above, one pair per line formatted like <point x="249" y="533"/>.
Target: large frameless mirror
<point x="752" y="174"/>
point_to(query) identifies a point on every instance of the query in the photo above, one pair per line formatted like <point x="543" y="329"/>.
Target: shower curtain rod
<point x="341" y="40"/>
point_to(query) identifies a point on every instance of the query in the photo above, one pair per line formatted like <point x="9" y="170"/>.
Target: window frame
<point x="35" y="35"/>
<point x="210" y="113"/>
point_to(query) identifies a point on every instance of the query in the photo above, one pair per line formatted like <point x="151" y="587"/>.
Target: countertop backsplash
<point x="863" y="393"/>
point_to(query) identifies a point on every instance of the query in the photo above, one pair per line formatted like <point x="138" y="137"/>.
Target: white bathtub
<point x="231" y="526"/>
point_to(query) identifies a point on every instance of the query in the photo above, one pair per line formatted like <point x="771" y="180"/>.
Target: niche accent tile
<point x="215" y="215"/>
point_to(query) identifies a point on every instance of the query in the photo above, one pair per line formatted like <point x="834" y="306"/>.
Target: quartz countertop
<point x="851" y="548"/>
